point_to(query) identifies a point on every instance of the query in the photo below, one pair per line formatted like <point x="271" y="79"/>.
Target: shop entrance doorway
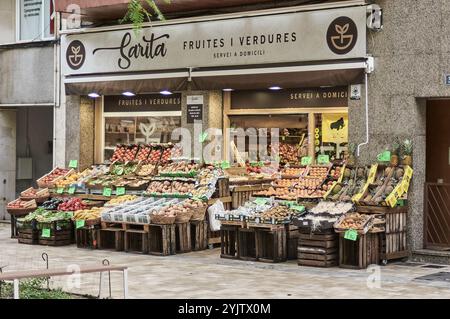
<point x="437" y="186"/>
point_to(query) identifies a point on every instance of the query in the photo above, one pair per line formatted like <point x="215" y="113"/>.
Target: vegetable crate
<point x="393" y="241"/>
<point x="318" y="249"/>
<point x="87" y="237"/>
<point x="28" y="233"/>
<point x="229" y="241"/>
<point x="136" y="240"/>
<point x="57" y="233"/>
<point x="271" y="243"/>
<point x="361" y="253"/>
<point x="199" y="235"/>
<point x="162" y="241"/>
<point x="183" y="238"/>
<point x="111" y="239"/>
<point x="246" y="244"/>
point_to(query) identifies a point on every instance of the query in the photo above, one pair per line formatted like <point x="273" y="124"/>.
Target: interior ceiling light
<point x="165" y="92"/>
<point x="94" y="95"/>
<point x="275" y="88"/>
<point x="228" y="90"/>
<point x="128" y="93"/>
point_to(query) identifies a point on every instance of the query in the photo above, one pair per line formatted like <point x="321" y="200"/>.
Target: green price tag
<point x="120" y="191"/>
<point x="323" y="159"/>
<point x="283" y="138"/>
<point x="60" y="190"/>
<point x="80" y="223"/>
<point x="260" y="201"/>
<point x="107" y="192"/>
<point x="384" y="157"/>
<point x="72" y="190"/>
<point x="307" y="160"/>
<point x="46" y="233"/>
<point x="202" y="137"/>
<point x="351" y="234"/>
<point x="73" y="164"/>
<point x="298" y="208"/>
<point x="225" y="164"/>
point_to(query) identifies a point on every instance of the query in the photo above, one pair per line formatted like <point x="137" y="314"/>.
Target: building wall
<point x="27" y="75"/>
<point x="7" y="21"/>
<point x="87" y="131"/>
<point x="7" y="159"/>
<point x="412" y="54"/>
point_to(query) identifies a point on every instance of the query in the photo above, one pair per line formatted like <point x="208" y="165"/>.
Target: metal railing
<point x="437" y="215"/>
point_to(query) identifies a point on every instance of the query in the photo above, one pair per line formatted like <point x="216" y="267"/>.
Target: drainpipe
<point x="369" y="69"/>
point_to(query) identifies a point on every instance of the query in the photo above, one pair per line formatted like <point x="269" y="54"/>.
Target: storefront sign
<point x="295" y="37"/>
<point x="194" y="108"/>
<point x="335" y="128"/>
<point x="143" y="103"/>
<point x="291" y="98"/>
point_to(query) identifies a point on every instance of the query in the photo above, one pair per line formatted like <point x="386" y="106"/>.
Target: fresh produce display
<point x="331" y="208"/>
<point x="121" y="199"/>
<point x="146" y="170"/>
<point x="254" y="167"/>
<point x="354" y="221"/>
<point x="72" y="204"/>
<point x="179" y="167"/>
<point x="353" y="182"/>
<point x="282" y="193"/>
<point x="289" y="153"/>
<point x="52" y="204"/>
<point x="318" y="172"/>
<point x="285" y="183"/>
<point x="21" y="204"/>
<point x="170" y="187"/>
<point x="166" y="155"/>
<point x="204" y="191"/>
<point x="383" y="185"/>
<point x="277" y="213"/>
<point x="305" y="193"/>
<point x="49" y="216"/>
<point x="53" y="175"/>
<point x="310" y="183"/>
<point x="32" y="216"/>
<point x="68" y="180"/>
<point x="293" y="171"/>
<point x="155" y="155"/>
<point x="335" y="172"/>
<point x="176" y="152"/>
<point x="88" y="214"/>
<point x="120" y="169"/>
<point x="143" y="153"/>
<point x="32" y="193"/>
<point x="124" y="153"/>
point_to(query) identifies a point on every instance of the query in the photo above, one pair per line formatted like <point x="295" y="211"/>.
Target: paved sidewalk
<point x="205" y="275"/>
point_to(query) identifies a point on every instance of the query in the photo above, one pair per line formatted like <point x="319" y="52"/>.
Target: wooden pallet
<point x="57" y="238"/>
<point x="162" y="241"/>
<point x="183" y="238"/>
<point x="111" y="239"/>
<point x="293" y="236"/>
<point x="28" y="236"/>
<point x="361" y="253"/>
<point x="87" y="237"/>
<point x="199" y="235"/>
<point x="136" y="241"/>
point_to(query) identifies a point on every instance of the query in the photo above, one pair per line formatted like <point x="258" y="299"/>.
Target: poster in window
<point x="335" y="128"/>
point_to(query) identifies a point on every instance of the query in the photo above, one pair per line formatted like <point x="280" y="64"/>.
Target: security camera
<point x="375" y="17"/>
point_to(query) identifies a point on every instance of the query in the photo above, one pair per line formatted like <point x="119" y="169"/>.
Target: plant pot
<point x="394" y="160"/>
<point x="407" y="160"/>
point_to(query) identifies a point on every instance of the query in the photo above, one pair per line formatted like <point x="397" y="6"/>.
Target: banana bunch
<point x="88" y="214"/>
<point x="121" y="200"/>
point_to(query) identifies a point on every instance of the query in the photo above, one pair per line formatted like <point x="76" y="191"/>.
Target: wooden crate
<point x="28" y="236"/>
<point x="162" y="240"/>
<point x="246" y="244"/>
<point x="136" y="241"/>
<point x="111" y="239"/>
<point x="242" y="194"/>
<point x="293" y="235"/>
<point x="271" y="244"/>
<point x="394" y="241"/>
<point x="199" y="235"/>
<point x="183" y="238"/>
<point x="61" y="233"/>
<point x="361" y="253"/>
<point x="87" y="237"/>
<point x="318" y="249"/>
<point x="223" y="188"/>
<point x="229" y="241"/>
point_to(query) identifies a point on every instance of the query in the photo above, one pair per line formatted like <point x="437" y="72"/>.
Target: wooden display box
<point x="318" y="249"/>
<point x="271" y="244"/>
<point x="199" y="235"/>
<point x="229" y="241"/>
<point x="246" y="244"/>
<point x="361" y="253"/>
<point x="183" y="237"/>
<point x="162" y="241"/>
<point x="111" y="239"/>
<point x="87" y="237"/>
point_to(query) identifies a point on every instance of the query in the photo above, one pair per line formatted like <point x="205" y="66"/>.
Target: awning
<point x="299" y="76"/>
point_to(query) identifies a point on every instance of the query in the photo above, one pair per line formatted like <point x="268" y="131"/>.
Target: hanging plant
<point x="137" y="13"/>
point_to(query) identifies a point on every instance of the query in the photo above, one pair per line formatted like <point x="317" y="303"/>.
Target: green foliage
<point x="33" y="289"/>
<point x="137" y="13"/>
<point x="407" y="147"/>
